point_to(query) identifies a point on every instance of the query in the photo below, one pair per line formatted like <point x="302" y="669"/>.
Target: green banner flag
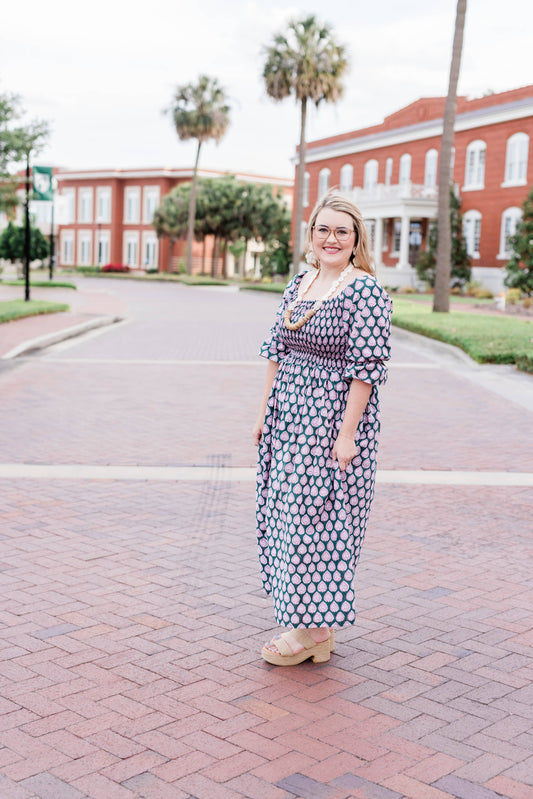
<point x="42" y="183"/>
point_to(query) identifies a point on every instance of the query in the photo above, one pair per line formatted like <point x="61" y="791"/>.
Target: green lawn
<point x="41" y="284"/>
<point x="485" y="337"/>
<point x="17" y="309"/>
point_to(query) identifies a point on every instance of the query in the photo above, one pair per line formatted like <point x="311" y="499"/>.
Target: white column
<point x="403" y="261"/>
<point x="378" y="242"/>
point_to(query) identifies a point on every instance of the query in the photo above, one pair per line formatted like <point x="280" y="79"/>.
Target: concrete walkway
<point x="132" y="616"/>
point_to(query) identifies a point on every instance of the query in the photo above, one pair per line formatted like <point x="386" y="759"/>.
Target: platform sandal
<point x="319" y="653"/>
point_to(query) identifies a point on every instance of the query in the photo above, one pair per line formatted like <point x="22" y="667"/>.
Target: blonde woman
<point x="317" y="432"/>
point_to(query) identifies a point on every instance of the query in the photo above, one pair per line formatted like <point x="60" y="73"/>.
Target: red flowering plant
<point x="115" y="268"/>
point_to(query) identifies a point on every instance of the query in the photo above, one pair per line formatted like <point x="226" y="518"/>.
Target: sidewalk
<point x="89" y="309"/>
<point x="131" y="614"/>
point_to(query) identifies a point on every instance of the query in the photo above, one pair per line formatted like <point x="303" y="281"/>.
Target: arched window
<point x="323" y="182"/>
<point x="430" y="173"/>
<point x="510" y="219"/>
<point x="472" y="232"/>
<point x="347" y="178"/>
<point x="371" y="174"/>
<point x="307" y="178"/>
<point x="405" y="168"/>
<point x="388" y="171"/>
<point x="475" y="165"/>
<point x="516" y="160"/>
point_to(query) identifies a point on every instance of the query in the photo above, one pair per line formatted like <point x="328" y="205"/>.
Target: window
<point x="307" y="178"/>
<point x="151" y="202"/>
<point x="452" y="162"/>
<point x="69" y="206"/>
<point x="102" y="248"/>
<point x="347" y="178"/>
<point x="303" y="233"/>
<point x="149" y="256"/>
<point x="85" y="205"/>
<point x="385" y="234"/>
<point x="396" y="236"/>
<point x="405" y="169"/>
<point x="510" y="219"/>
<point x="132" y="205"/>
<point x="388" y="171"/>
<point x="472" y="232"/>
<point x="475" y="165"/>
<point x="131" y="249"/>
<point x="516" y="160"/>
<point x="323" y="182"/>
<point x="67" y="247"/>
<point x="103" y="204"/>
<point x="430" y="174"/>
<point x="371" y="174"/>
<point x="370" y="225"/>
<point x="84" y="247"/>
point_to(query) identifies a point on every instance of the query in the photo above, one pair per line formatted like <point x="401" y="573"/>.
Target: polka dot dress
<point x="311" y="517"/>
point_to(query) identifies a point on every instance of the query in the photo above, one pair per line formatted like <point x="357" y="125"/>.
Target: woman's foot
<point x="318" y="634"/>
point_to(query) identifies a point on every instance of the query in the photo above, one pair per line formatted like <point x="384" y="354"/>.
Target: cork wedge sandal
<point x="319" y="653"/>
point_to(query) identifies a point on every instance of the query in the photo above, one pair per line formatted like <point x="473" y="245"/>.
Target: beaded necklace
<point x="317" y="304"/>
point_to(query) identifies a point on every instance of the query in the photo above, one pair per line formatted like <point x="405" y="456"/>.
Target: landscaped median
<point x="17" y="309"/>
<point x="487" y="338"/>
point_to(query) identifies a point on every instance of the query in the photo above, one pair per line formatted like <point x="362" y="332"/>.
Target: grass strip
<point x="41" y="284"/>
<point x="162" y="277"/>
<point x="274" y="288"/>
<point x="18" y="309"/>
<point x="485" y="337"/>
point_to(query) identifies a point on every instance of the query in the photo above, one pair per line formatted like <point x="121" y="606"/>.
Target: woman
<point x="317" y="433"/>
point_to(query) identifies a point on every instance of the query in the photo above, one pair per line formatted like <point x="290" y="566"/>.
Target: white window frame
<point x="431" y="168"/>
<point x="85" y="247"/>
<point x="131" y="239"/>
<point x="370" y="225"/>
<point x="405" y="169"/>
<point x="396" y="237"/>
<point x="132" y="205"/>
<point x="388" y="171"/>
<point x="347" y="178"/>
<point x="472" y="232"/>
<point x="69" y="196"/>
<point x="475" y="166"/>
<point x="516" y="157"/>
<point x="323" y="182"/>
<point x="303" y="234"/>
<point x="370" y="174"/>
<point x="150" y="240"/>
<point x="385" y="245"/>
<point x="103" y="204"/>
<point x="151" y="200"/>
<point x="510" y="219"/>
<point x="67" y="248"/>
<point x="307" y="181"/>
<point x="85" y="205"/>
<point x="103" y="247"/>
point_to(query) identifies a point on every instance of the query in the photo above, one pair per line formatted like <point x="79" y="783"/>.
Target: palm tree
<point x="441" y="297"/>
<point x="308" y="63"/>
<point x="200" y="111"/>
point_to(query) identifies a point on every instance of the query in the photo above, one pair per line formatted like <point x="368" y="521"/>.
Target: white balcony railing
<point x="403" y="191"/>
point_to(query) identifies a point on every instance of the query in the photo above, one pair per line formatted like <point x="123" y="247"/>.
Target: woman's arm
<point x="344" y="449"/>
<point x="257" y="430"/>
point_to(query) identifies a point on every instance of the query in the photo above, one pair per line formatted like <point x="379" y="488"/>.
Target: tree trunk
<point x="441" y="298"/>
<point x="214" y="257"/>
<point x="298" y="215"/>
<point x="203" y="255"/>
<point x="224" y="259"/>
<point x="170" y="254"/>
<point x="192" y="211"/>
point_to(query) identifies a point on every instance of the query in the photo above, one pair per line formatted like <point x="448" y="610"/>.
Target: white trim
<point x="169" y="173"/>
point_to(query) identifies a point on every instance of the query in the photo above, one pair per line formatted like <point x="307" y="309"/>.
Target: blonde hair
<point x="360" y="256"/>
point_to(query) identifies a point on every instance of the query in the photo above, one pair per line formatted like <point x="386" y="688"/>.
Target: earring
<point x="311" y="258"/>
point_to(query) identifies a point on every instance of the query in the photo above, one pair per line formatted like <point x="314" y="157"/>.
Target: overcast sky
<point x="102" y="72"/>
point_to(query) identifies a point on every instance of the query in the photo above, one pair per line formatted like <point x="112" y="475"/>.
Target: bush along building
<point x="391" y="172"/>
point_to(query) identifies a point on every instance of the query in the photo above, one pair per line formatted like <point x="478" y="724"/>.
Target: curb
<point x="41" y="342"/>
<point x="433" y="346"/>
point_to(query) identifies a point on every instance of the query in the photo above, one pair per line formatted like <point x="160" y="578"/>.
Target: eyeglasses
<point x="341" y="233"/>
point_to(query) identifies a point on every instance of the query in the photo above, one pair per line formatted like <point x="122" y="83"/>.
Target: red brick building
<point x="391" y="171"/>
<point x="105" y="216"/>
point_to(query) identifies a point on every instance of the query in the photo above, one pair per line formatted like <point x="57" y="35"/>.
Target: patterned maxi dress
<point x="311" y="517"/>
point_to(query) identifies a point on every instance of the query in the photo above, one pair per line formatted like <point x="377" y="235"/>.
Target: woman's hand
<point x="257" y="432"/>
<point x="344" y="451"/>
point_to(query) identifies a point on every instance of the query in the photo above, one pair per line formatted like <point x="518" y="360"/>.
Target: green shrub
<point x="513" y="296"/>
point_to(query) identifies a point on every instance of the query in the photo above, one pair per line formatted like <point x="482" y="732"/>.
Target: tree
<point x="308" y="63"/>
<point x="520" y="267"/>
<point x="200" y="112"/>
<point x="441" y="299"/>
<point x="12" y="242"/>
<point x="459" y="258"/>
<point x="171" y="218"/>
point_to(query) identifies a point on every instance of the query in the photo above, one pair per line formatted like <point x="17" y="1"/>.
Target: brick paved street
<point x="131" y="610"/>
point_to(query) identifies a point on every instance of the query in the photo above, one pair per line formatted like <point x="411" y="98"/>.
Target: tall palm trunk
<point x="297" y="243"/>
<point x="192" y="211"/>
<point x="441" y="298"/>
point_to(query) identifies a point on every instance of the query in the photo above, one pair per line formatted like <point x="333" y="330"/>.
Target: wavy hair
<point x="360" y="256"/>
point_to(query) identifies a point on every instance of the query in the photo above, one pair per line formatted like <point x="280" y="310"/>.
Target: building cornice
<point x="469" y="120"/>
<point x="172" y="174"/>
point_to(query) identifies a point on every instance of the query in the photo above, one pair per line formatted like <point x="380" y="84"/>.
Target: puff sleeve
<point x="368" y="346"/>
<point x="274" y="347"/>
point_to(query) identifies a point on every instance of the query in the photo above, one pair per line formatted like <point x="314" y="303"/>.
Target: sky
<point x="102" y="73"/>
